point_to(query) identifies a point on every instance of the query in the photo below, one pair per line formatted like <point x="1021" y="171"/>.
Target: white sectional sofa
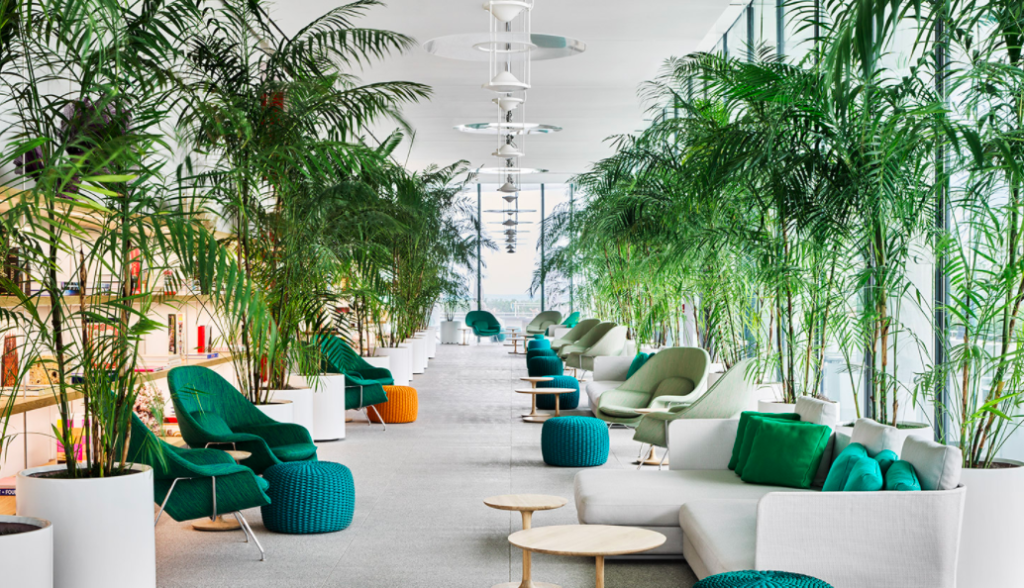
<point x="720" y="523"/>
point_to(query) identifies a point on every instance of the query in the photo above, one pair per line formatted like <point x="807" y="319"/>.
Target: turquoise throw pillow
<point x="741" y="430"/>
<point x="638" y="362"/>
<point x="865" y="476"/>
<point x="785" y="453"/>
<point x="902" y="477"/>
<point x="840" y="470"/>
<point x="885" y="459"/>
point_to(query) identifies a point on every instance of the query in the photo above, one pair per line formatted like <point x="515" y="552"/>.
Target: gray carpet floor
<point x="420" y="520"/>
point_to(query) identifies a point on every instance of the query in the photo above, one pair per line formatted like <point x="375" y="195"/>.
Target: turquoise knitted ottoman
<point x="532" y="353"/>
<point x="544" y="365"/>
<point x="309" y="497"/>
<point x="574" y="442"/>
<point x="754" y="579"/>
<point x="543" y="344"/>
<point x="567" y="401"/>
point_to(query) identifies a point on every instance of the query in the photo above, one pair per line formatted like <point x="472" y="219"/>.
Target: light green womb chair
<point x="733" y="393"/>
<point x="587" y="340"/>
<point x="582" y="353"/>
<point x="540" y="323"/>
<point x="574" y="334"/>
<point x="674" y="376"/>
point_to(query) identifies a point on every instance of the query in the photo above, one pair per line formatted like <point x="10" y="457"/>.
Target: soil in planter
<point x="996" y="465"/>
<point x="15" y="528"/>
<point x="84" y="474"/>
<point x="910" y="426"/>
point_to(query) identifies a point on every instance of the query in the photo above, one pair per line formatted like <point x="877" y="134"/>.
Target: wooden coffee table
<point x="465" y="331"/>
<point x="534" y="380"/>
<point x="525" y="504"/>
<point x="515" y="345"/>
<point x="597" y="541"/>
<point x="536" y="417"/>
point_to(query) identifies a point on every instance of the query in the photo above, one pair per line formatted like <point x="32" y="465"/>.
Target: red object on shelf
<point x="202" y="339"/>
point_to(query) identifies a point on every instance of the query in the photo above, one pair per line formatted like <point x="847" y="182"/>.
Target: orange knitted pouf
<point x="402" y="406"/>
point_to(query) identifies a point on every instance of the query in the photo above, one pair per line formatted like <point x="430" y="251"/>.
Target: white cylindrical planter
<point x="301" y="396"/>
<point x="279" y="410"/>
<point x="401" y="363"/>
<point x="450" y="332"/>
<point x="381" y="362"/>
<point x="419" y="354"/>
<point x="102" y="527"/>
<point x="775" y="407"/>
<point x="991" y="538"/>
<point x="329" y="408"/>
<point x="431" y="342"/>
<point x="26" y="558"/>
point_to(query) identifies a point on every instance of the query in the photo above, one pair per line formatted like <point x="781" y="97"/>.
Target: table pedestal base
<point x="651" y="459"/>
<point x="220" y="525"/>
<point x="526" y="584"/>
<point x="540" y="418"/>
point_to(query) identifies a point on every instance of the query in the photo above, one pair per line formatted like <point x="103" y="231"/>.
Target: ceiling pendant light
<point x="510" y="198"/>
<point x="505" y="81"/>
<point x="506" y="10"/>
<point x="508" y="103"/>
<point x="508" y="187"/>
<point x="507" y="150"/>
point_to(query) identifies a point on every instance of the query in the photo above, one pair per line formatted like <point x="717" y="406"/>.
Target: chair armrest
<point x="905" y="539"/>
<point x="280" y="433"/>
<point x="606" y="346"/>
<point x="701" y="444"/>
<point x="375" y="373"/>
<point x="611" y="368"/>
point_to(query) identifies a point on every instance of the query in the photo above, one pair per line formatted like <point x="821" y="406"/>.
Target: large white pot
<point x="991" y="539"/>
<point x="381" y="362"/>
<point x="279" y="410"/>
<point x="329" y="407"/>
<point x="419" y="354"/>
<point x="401" y="363"/>
<point x="450" y="332"/>
<point x="102" y="527"/>
<point x="775" y="407"/>
<point x="431" y="342"/>
<point x="301" y="396"/>
<point x="26" y="559"/>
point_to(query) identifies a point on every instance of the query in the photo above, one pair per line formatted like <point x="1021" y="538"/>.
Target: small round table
<point x="536" y="417"/>
<point x="465" y="332"/>
<point x="526" y="504"/>
<point x="223" y="524"/>
<point x="534" y="380"/>
<point x="514" y="345"/>
<point x="597" y="541"/>
<point x="651" y="459"/>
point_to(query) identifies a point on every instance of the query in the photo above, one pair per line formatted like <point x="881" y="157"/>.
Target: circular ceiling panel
<point x="478" y="46"/>
<point x="493" y="128"/>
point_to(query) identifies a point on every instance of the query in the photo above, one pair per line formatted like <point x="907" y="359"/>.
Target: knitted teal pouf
<point x="569" y="400"/>
<point x="309" y="497"/>
<point x="756" y="579"/>
<point x="574" y="442"/>
<point x="543" y="344"/>
<point x="540" y="353"/>
<point x="544" y="365"/>
<point x="538" y="336"/>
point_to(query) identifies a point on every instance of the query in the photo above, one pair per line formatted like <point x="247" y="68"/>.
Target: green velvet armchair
<point x="733" y="393"/>
<point x="484" y="324"/>
<point x="195" y="483"/>
<point x="575" y="334"/>
<point x="540" y="323"/>
<point x="211" y="411"/>
<point x="674" y="376"/>
<point x="571" y="320"/>
<point x="364" y="383"/>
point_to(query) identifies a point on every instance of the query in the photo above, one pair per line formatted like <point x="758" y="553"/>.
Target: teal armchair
<point x="211" y="411"/>
<point x="671" y="377"/>
<point x="195" y="483"/>
<point x="733" y="393"/>
<point x="483" y="323"/>
<point x="540" y="323"/>
<point x="364" y="383"/>
<point x="571" y="320"/>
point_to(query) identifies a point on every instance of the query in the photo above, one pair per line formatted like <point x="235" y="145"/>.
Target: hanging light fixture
<point x="509" y="46"/>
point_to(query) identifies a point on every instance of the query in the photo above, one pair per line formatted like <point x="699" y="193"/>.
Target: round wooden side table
<point x="537" y="417"/>
<point x="534" y="380"/>
<point x="597" y="541"/>
<point x="652" y="458"/>
<point x="223" y="524"/>
<point x="526" y="504"/>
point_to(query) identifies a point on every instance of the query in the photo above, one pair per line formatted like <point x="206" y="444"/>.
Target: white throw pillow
<point x="820" y="412"/>
<point x="876" y="437"/>
<point x="938" y="466"/>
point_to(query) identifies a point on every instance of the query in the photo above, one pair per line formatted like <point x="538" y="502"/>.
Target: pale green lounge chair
<point x="574" y="334"/>
<point x="613" y="343"/>
<point x="674" y="376"/>
<point x="540" y="323"/>
<point x="733" y="393"/>
<point x="588" y="339"/>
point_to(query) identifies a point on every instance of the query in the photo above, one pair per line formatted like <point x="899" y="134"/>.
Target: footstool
<point x="402" y="406"/>
<point x="309" y="497"/>
<point x="574" y="442"/>
<point x="760" y="579"/>
<point x="567" y="401"/>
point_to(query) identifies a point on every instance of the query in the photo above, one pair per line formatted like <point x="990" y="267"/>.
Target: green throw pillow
<point x="902" y="477"/>
<point x="840" y="470"/>
<point x="638" y="362"/>
<point x="865" y="476"/>
<point x="785" y="453"/>
<point x="741" y="430"/>
<point x="885" y="459"/>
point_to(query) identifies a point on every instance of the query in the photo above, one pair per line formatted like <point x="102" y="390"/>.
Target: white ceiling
<point x="591" y="96"/>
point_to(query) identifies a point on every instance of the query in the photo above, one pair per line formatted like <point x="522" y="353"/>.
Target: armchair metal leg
<point x="166" y="498"/>
<point x="249" y="533"/>
<point x="379" y="417"/>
